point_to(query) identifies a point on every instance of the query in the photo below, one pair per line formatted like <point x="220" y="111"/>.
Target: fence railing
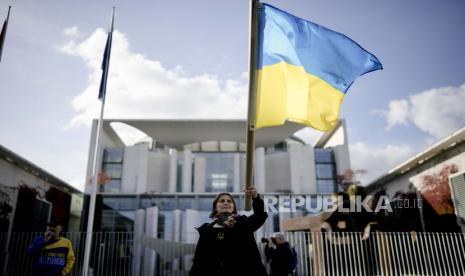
<point x="318" y="254"/>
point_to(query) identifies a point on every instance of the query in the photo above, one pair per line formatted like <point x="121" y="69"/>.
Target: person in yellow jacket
<point x="53" y="254"/>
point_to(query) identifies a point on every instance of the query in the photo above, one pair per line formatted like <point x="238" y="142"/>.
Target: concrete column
<point x="200" y="174"/>
<point x="177" y="225"/>
<point x="192" y="221"/>
<point x="139" y="228"/>
<point x="158" y="172"/>
<point x="302" y="169"/>
<point x="237" y="173"/>
<point x="187" y="172"/>
<point x="309" y="184"/>
<point x="151" y="227"/>
<point x="341" y="158"/>
<point x="173" y="171"/>
<point x="295" y="160"/>
<point x="259" y="170"/>
<point x="135" y="168"/>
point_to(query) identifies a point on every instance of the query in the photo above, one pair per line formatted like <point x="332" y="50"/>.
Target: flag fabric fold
<point x="304" y="70"/>
<point x="3" y="32"/>
<point x="106" y="62"/>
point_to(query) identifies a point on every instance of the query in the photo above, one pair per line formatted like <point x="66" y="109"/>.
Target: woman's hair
<point x="217" y="198"/>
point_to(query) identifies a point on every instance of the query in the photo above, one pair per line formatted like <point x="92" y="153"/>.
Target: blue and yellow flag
<point x="304" y="70"/>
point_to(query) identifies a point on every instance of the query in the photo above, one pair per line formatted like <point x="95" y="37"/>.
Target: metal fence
<point x="111" y="253"/>
<point x="318" y="254"/>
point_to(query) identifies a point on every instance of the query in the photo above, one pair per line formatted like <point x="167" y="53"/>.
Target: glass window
<point x="108" y="220"/>
<point x="324" y="171"/>
<point x="219" y="171"/>
<point x="113" y="186"/>
<point x="179" y="178"/>
<point x="161" y="226"/>
<point x="121" y="203"/>
<point x="205" y="203"/>
<point x="146" y="202"/>
<point x="117" y="221"/>
<point x="128" y="203"/>
<point x="219" y="182"/>
<point x="282" y="146"/>
<point x="113" y="155"/>
<point x="185" y="203"/>
<point x="326" y="186"/>
<point x="165" y="224"/>
<point x="276" y="226"/>
<point x="323" y="156"/>
<point x="164" y="203"/>
<point x="110" y="203"/>
<point x="113" y="171"/>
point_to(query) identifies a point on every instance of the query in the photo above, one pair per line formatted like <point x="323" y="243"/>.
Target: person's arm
<point x="259" y="215"/>
<point x="69" y="260"/>
<point x="36" y="246"/>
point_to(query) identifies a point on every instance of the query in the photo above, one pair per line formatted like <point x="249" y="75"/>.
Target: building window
<point x="117" y="221"/>
<point x="219" y="182"/>
<point x="280" y="147"/>
<point x="326" y="186"/>
<point x="205" y="203"/>
<point x="185" y="203"/>
<point x="113" y="171"/>
<point x="113" y="167"/>
<point x="179" y="177"/>
<point x="113" y="155"/>
<point x="219" y="171"/>
<point x="161" y="226"/>
<point x="121" y="203"/>
<point x="276" y="226"/>
<point x="324" y="156"/>
<point x="166" y="203"/>
<point x="325" y="171"/>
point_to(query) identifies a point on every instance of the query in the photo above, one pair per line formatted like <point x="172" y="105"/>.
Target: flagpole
<point x="97" y="158"/>
<point x="253" y="31"/>
<point x="4" y="28"/>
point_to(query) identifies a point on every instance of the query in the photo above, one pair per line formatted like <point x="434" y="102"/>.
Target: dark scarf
<point x="225" y="219"/>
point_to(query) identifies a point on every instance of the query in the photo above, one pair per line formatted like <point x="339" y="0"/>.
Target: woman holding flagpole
<point x="227" y="245"/>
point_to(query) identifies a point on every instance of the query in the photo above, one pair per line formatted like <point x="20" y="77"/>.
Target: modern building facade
<point x="164" y="186"/>
<point x="184" y="163"/>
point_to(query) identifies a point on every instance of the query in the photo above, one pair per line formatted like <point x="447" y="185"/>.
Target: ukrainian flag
<point x="304" y="70"/>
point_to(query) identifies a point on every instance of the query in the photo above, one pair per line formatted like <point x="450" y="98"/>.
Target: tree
<point x="435" y="189"/>
<point x="349" y="177"/>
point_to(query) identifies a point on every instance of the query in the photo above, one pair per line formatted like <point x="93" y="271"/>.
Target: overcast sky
<point x="188" y="59"/>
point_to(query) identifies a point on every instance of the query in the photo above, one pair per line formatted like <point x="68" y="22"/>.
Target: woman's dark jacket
<point x="233" y="250"/>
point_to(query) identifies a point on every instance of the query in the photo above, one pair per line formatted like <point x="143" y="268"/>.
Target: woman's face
<point x="225" y="204"/>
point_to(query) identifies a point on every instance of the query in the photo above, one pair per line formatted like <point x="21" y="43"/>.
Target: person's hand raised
<point x="251" y="192"/>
